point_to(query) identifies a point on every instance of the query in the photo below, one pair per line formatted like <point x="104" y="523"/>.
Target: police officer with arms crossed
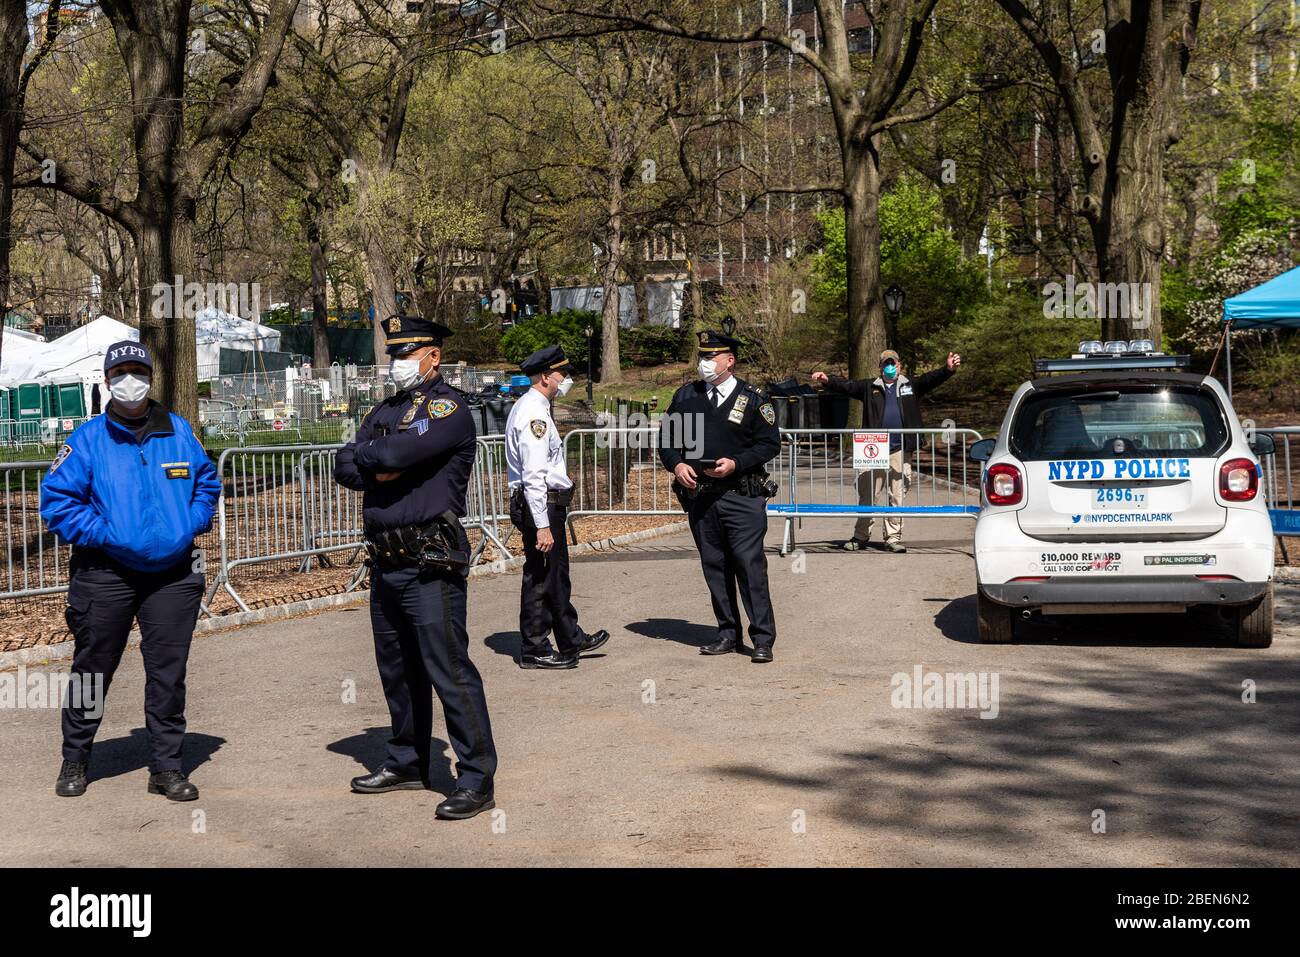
<point x="411" y="458"/>
<point x="540" y="491"/>
<point x="130" y="490"/>
<point x="724" y="489"/>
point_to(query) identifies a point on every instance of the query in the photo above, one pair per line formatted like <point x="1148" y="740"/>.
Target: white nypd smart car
<point x="1122" y="486"/>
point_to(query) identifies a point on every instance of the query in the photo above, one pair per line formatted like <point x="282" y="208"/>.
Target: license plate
<point x="1118" y="496"/>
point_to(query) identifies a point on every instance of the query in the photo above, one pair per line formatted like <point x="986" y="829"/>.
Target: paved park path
<point x="651" y="754"/>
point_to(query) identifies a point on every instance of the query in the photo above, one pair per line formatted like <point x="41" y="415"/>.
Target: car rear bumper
<point x="1130" y="591"/>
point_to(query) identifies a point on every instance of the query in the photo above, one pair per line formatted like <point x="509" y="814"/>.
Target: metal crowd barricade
<point x="818" y="478"/>
<point x="35" y="561"/>
<point x="616" y="471"/>
<point x="1279" y="481"/>
<point x="489" y="497"/>
<point x="280" y="504"/>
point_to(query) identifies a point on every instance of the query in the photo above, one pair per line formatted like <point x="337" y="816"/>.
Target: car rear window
<point x="1124" y="421"/>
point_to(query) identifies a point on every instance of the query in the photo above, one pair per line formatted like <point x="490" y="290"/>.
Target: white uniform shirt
<point x="718" y="394"/>
<point x="534" y="453"/>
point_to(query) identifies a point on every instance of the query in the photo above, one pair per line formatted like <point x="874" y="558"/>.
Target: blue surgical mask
<point x="890" y="370"/>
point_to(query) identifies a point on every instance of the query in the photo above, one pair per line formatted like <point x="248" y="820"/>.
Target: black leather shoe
<point x="71" y="782"/>
<point x="173" y="785"/>
<point x="552" y="660"/>
<point x="761" y="656"/>
<point x="384" y="780"/>
<point x="723" y="646"/>
<point x="592" y="642"/>
<point x="464" y="803"/>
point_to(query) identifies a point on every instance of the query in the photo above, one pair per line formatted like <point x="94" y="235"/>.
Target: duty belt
<point x="752" y="484"/>
<point x="555" y="496"/>
<point x="433" y="544"/>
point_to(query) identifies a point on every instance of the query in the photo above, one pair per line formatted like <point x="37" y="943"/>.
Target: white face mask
<point x="405" y="373"/>
<point x="708" y="369"/>
<point x="128" y="389"/>
<point x="564" y="388"/>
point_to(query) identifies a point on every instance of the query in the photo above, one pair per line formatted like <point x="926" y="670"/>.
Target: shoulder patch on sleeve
<point x="537" y="427"/>
<point x="441" y="408"/>
<point x="768" y="413"/>
<point x="61" y="457"/>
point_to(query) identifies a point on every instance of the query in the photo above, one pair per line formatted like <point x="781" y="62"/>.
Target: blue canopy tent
<point x="1274" y="305"/>
<point x="1271" y="305"/>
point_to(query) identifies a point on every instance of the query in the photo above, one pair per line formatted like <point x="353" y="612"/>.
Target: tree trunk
<point x="383" y="289"/>
<point x="320" y="358"/>
<point x="610" y="369"/>
<point x="165" y="252"/>
<point x="13" y="43"/>
<point x="862" y="254"/>
<point x="1133" y="217"/>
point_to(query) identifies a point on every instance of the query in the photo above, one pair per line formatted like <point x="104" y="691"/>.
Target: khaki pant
<point x="871" y="487"/>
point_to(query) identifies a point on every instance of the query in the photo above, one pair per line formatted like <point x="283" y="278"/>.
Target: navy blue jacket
<point x="427" y="435"/>
<point x="141" y="502"/>
<point x="743" y="429"/>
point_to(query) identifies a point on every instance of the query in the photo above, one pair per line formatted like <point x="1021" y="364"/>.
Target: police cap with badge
<point x="407" y="333"/>
<point x="712" y="343"/>
<point x="546" y="359"/>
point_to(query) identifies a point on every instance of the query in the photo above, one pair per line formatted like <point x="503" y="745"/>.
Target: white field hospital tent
<point x="215" y="330"/>
<point x="20" y="352"/>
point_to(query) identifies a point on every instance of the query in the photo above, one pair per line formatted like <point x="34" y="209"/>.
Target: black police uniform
<point x="418" y="611"/>
<point x="728" y="517"/>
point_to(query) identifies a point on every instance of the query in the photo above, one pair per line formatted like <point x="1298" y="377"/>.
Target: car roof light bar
<point x="1111" y="363"/>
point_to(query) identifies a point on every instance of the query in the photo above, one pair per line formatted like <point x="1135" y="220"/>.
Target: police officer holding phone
<point x="411" y="458"/>
<point x="130" y="490"/>
<point x="724" y="488"/>
<point x="540" y="492"/>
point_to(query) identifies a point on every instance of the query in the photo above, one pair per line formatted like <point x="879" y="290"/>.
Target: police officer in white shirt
<point x="540" y="491"/>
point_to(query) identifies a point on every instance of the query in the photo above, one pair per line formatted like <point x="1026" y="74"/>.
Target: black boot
<point x="592" y="642"/>
<point x="71" y="782"/>
<point x="465" y="803"/>
<point x="173" y="785"/>
<point x="723" y="646"/>
<point x="553" y="660"/>
<point x="384" y="780"/>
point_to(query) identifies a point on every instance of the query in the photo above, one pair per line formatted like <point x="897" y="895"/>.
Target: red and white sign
<point x="66" y="425"/>
<point x="278" y="425"/>
<point x="870" y="450"/>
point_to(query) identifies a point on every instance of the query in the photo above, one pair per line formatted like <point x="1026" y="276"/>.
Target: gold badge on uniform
<point x="395" y="324"/>
<point x="738" y="410"/>
<point x="537" y="427"/>
<point x="768" y="413"/>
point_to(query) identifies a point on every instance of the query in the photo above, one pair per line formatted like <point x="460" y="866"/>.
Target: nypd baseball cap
<point x="126" y="351"/>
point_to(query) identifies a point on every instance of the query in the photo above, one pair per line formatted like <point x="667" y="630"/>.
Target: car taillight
<point x="1238" y="480"/>
<point x="1002" y="485"/>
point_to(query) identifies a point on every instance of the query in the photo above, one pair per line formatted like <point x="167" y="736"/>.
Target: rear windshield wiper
<point x="1096" y="397"/>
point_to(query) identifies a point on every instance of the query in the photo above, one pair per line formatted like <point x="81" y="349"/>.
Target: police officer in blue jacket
<point x="411" y="458"/>
<point x="130" y="490"/>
